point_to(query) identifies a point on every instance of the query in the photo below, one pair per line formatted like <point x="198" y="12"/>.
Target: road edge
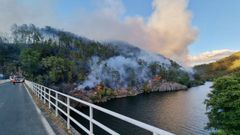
<point x="43" y="119"/>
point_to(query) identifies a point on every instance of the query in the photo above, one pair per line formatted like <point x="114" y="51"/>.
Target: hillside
<point x="69" y="62"/>
<point x="219" y="68"/>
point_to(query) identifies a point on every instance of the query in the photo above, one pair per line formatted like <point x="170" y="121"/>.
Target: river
<point x="180" y="112"/>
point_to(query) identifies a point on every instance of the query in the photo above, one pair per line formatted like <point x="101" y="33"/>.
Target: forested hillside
<point x="54" y="57"/>
<point x="222" y="67"/>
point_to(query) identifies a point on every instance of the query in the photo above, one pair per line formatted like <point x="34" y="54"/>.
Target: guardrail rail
<point x="46" y="94"/>
<point x="4" y="81"/>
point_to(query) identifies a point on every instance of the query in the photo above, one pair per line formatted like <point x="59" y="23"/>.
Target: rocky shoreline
<point x="102" y="94"/>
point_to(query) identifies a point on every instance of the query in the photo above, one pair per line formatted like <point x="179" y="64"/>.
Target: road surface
<point x="18" y="115"/>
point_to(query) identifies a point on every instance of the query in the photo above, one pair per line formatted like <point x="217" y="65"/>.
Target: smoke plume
<point x="167" y="30"/>
<point x="128" y="69"/>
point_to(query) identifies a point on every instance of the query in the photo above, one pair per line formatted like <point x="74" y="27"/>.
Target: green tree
<point x="223" y="104"/>
<point x="9" y="58"/>
<point x="30" y="60"/>
<point x="183" y="78"/>
<point x="59" y="69"/>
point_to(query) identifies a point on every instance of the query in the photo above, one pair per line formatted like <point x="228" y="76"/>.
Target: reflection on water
<point x="181" y="112"/>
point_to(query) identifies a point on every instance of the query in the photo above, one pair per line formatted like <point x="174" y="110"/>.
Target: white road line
<point x="43" y="119"/>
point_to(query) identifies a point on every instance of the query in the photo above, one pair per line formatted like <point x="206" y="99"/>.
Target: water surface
<point x="181" y="112"/>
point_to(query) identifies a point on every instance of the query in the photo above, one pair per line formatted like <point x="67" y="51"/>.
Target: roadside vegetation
<point x="223" y="105"/>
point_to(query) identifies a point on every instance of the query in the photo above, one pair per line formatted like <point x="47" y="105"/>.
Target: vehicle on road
<point x="16" y="79"/>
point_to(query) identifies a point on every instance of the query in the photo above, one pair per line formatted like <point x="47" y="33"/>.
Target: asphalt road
<point x="18" y="115"/>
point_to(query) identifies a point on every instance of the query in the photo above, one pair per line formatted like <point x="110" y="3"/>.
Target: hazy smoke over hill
<point x="167" y="31"/>
<point x="210" y="56"/>
<point x="116" y="72"/>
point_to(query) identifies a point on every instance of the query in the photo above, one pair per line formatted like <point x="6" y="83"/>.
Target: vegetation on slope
<point x="54" y="57"/>
<point x="220" y="68"/>
<point x="223" y="102"/>
<point x="9" y="57"/>
<point x="224" y="105"/>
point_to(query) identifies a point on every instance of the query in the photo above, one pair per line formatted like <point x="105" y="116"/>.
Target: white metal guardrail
<point x="4" y="81"/>
<point x="45" y="94"/>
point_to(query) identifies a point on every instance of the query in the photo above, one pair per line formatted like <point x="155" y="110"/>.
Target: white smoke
<point x="167" y="31"/>
<point x="105" y="71"/>
<point x="117" y="72"/>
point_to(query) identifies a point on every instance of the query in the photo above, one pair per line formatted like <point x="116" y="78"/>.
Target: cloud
<point x="210" y="56"/>
<point x="167" y="31"/>
<point x="38" y="12"/>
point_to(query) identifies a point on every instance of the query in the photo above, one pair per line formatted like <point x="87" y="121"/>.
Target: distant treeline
<point x="220" y="68"/>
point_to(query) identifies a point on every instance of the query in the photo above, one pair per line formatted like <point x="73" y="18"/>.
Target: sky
<point x="189" y="32"/>
<point x="217" y="21"/>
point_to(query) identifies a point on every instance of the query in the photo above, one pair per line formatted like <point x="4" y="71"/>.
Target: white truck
<point x="16" y="79"/>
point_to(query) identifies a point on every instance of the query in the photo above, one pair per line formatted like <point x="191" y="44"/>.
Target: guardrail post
<point x="32" y="87"/>
<point x="41" y="92"/>
<point x="56" y="103"/>
<point x="68" y="113"/>
<point x="35" y="90"/>
<point x="40" y="88"/>
<point x="44" y="92"/>
<point x="49" y="98"/>
<point x="90" y="121"/>
<point x="38" y="91"/>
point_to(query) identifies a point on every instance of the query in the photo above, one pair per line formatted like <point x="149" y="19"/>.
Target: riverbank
<point x="103" y="94"/>
<point x="180" y="112"/>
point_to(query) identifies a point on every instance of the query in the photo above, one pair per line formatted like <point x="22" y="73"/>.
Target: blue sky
<point x="217" y="21"/>
<point x="135" y="21"/>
